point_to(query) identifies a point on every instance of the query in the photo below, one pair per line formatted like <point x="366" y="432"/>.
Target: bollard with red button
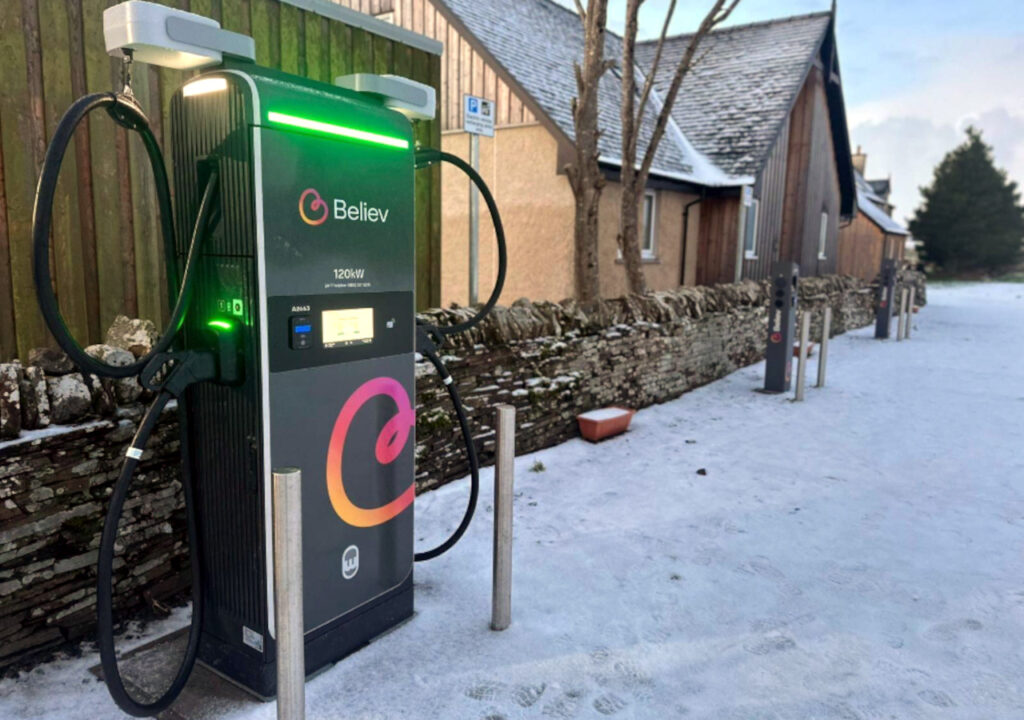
<point x="886" y="295"/>
<point x="781" y="327"/>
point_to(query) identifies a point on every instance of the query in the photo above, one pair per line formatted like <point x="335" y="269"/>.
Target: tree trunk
<point x="634" y="176"/>
<point x="632" y="183"/>
<point x="629" y="240"/>
<point x="585" y="176"/>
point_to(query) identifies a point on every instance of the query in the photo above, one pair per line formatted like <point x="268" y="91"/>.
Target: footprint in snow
<point x="609" y="704"/>
<point x="485" y="691"/>
<point x="770" y="645"/>
<point x="936" y="698"/>
<point x="527" y="695"/>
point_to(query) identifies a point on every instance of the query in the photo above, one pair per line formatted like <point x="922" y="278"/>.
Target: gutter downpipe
<point x="738" y="274"/>
<point x="686" y="233"/>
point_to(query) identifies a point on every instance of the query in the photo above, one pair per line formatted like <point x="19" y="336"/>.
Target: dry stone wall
<point x="66" y="433"/>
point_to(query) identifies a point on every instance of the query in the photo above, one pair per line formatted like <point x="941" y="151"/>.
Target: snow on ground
<point x="858" y="555"/>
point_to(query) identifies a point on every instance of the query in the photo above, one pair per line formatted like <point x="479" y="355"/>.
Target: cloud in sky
<point x="915" y="73"/>
<point x="973" y="81"/>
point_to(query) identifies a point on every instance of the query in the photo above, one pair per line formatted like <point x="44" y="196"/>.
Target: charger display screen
<point x="351" y="326"/>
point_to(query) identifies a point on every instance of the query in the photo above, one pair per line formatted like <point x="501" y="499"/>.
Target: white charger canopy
<point x="159" y="35"/>
<point x="413" y="99"/>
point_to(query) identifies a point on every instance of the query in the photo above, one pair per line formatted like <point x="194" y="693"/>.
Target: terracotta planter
<point x="810" y="350"/>
<point x="596" y="425"/>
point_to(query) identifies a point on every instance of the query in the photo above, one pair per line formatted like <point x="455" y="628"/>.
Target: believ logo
<point x="391" y="441"/>
<point x="317" y="207"/>
<point x="318" y="211"/>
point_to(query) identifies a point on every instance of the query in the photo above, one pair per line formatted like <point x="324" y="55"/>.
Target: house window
<point x="648" y="229"/>
<point x="823" y="236"/>
<point x="750" y="231"/>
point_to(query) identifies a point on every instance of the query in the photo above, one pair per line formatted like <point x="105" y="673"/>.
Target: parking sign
<point x="478" y="116"/>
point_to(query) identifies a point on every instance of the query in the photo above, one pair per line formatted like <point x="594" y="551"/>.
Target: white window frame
<point x="823" y="237"/>
<point x="649" y="235"/>
<point x="750" y="230"/>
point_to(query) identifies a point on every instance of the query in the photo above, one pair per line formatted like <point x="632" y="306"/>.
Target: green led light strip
<point x="339" y="130"/>
<point x="222" y="324"/>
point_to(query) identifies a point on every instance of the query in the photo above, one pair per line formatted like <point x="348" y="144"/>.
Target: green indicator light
<point x="222" y="324"/>
<point x="339" y="130"/>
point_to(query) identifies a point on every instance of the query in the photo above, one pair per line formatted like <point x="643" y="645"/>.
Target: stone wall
<point x="550" y="360"/>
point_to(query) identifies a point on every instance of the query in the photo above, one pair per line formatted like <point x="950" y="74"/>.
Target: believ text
<point x="359" y="213"/>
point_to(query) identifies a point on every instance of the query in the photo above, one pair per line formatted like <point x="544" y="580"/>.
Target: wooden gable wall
<point x="812" y="182"/>
<point x="463" y="70"/>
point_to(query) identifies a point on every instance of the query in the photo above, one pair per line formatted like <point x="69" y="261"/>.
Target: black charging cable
<point x="430" y="337"/>
<point x="181" y="369"/>
<point x="426" y="347"/>
<point x="427" y="157"/>
<point x="127" y="113"/>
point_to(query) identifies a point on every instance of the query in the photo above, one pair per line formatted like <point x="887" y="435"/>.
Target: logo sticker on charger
<point x="350" y="562"/>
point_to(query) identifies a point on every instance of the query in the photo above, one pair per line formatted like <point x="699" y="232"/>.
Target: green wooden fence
<point x="107" y="257"/>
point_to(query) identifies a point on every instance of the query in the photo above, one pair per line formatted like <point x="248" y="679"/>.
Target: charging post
<point x="782" y="309"/>
<point x="273" y="353"/>
<point x="886" y="297"/>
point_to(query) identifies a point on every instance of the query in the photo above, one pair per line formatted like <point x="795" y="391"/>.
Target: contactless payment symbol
<point x="391" y="441"/>
<point x="317" y="207"/>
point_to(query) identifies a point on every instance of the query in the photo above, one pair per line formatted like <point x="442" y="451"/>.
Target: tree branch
<point x="581" y="12"/>
<point x="652" y="72"/>
<point x="719" y="12"/>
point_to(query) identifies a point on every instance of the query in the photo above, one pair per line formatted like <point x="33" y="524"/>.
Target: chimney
<point x="859" y="160"/>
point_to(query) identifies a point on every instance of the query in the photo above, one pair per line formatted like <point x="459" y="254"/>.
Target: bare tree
<point x="634" y="176"/>
<point x="584" y="173"/>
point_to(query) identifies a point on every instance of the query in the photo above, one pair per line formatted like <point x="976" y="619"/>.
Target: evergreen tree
<point x="971" y="218"/>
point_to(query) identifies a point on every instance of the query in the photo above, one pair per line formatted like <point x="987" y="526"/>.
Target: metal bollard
<point x="826" y="330"/>
<point x="801" y="370"/>
<point x="901" y="328"/>
<point x="910" y="311"/>
<point x="504" y="477"/>
<point x="291" y="646"/>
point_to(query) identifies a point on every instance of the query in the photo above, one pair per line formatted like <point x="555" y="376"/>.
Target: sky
<point x="915" y="74"/>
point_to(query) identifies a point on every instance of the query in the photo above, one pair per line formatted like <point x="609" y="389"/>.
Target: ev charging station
<point x="781" y="327"/>
<point x="886" y="297"/>
<point x="292" y="341"/>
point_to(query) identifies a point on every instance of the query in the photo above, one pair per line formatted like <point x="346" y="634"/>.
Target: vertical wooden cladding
<point x="812" y="182"/>
<point x="463" y="70"/>
<point x="716" y="250"/>
<point x="107" y="256"/>
<point x="862" y="245"/>
<point x="861" y="248"/>
<point x="770" y="191"/>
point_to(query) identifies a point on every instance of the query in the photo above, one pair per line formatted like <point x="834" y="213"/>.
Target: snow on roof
<point x="735" y="100"/>
<point x="869" y="203"/>
<point x="537" y="42"/>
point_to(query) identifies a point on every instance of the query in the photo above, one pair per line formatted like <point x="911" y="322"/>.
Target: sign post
<point x="477" y="120"/>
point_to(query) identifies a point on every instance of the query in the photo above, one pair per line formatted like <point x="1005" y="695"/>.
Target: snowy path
<point x="857" y="556"/>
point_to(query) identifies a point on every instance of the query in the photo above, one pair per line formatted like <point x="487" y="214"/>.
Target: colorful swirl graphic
<point x="392" y="439"/>
<point x="315" y="206"/>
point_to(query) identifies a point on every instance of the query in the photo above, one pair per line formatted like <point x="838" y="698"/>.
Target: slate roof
<point x="733" y="103"/>
<point x="880" y="187"/>
<point x="871" y="204"/>
<point x="536" y="42"/>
